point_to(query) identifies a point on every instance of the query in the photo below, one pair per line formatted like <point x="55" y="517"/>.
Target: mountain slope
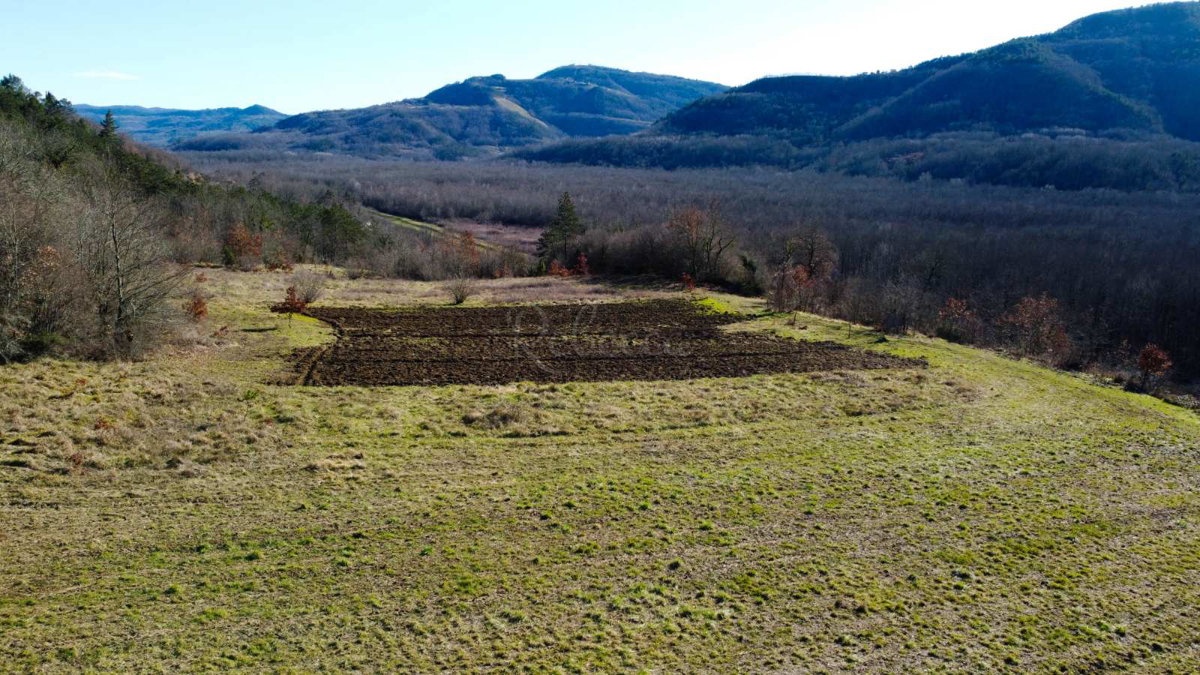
<point x="481" y="115"/>
<point x="1132" y="69"/>
<point x="1130" y="76"/>
<point x="164" y="126"/>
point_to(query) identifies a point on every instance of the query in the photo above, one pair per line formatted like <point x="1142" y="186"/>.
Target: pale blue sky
<point x="304" y="55"/>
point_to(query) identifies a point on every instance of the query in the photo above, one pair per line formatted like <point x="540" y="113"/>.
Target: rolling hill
<point x="164" y="126"/>
<point x="1127" y="75"/>
<point x="480" y="116"/>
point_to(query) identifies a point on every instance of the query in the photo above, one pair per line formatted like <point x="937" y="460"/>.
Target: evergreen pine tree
<point x="57" y="108"/>
<point x="108" y="130"/>
<point x="12" y="83"/>
<point x="564" y="228"/>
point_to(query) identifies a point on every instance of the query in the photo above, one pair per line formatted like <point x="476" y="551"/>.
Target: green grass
<point x="981" y="513"/>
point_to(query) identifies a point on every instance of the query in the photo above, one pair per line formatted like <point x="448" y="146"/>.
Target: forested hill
<point x="480" y="116"/>
<point x="1118" y="77"/>
<point x="1131" y="69"/>
<point x="583" y="100"/>
<point x="163" y="126"/>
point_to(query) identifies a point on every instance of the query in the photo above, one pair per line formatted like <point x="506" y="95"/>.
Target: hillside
<point x="979" y="513"/>
<point x="93" y="223"/>
<point x="480" y="115"/>
<point x="1125" y="75"/>
<point x="163" y="126"/>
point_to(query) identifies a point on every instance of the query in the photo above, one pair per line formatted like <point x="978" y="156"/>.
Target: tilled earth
<point x="651" y="340"/>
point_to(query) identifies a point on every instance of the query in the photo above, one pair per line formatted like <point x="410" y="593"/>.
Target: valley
<point x="599" y="369"/>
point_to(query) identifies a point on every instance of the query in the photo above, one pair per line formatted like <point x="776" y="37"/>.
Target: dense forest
<point x="1064" y="162"/>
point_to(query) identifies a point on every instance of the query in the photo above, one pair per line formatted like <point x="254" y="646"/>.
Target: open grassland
<point x="185" y="514"/>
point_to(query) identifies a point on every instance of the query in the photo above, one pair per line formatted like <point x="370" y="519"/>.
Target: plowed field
<point x="654" y="340"/>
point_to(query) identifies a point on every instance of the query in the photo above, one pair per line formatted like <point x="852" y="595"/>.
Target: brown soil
<point x="653" y="340"/>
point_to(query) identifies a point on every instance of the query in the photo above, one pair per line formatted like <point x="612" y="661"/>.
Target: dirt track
<point x="655" y="340"/>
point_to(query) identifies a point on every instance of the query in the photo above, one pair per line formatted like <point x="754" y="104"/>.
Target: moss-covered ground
<point x="184" y="513"/>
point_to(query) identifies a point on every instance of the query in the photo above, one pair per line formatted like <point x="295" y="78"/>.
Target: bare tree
<point x="705" y="238"/>
<point x="119" y="244"/>
<point x="804" y="279"/>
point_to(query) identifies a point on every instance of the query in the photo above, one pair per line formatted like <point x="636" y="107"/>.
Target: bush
<point x="309" y="286"/>
<point x="1038" y="328"/>
<point x="958" y="323"/>
<point x="196" y="307"/>
<point x="461" y="289"/>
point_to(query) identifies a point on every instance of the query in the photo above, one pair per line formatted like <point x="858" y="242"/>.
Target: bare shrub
<point x="461" y="289"/>
<point x="504" y="263"/>
<point x="898" y="309"/>
<point x="309" y="286"/>
<point x="503" y="415"/>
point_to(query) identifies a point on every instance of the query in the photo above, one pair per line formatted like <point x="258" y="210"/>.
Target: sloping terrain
<point x="163" y="127"/>
<point x="1133" y="69"/>
<point x="1112" y="78"/>
<point x="184" y="514"/>
<point x="481" y="115"/>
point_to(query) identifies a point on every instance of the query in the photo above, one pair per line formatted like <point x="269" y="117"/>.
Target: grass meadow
<point x="194" y="511"/>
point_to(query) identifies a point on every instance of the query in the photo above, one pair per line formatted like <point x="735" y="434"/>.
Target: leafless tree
<point x="704" y="238"/>
<point x="120" y="247"/>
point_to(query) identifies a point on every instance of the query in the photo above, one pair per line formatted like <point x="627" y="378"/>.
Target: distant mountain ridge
<point x="481" y="116"/>
<point x="1129" y="69"/>
<point x="1128" y="75"/>
<point x="163" y="126"/>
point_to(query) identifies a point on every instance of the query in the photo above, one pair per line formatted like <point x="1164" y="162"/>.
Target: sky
<point x="302" y="55"/>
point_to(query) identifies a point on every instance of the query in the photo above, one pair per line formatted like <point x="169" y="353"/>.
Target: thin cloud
<point x="107" y="75"/>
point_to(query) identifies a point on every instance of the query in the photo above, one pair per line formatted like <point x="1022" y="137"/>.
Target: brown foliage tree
<point x="1038" y="328"/>
<point x="581" y="269"/>
<point x="242" y="248"/>
<point x="292" y="303"/>
<point x="1154" y="363"/>
<point x="957" y="322"/>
